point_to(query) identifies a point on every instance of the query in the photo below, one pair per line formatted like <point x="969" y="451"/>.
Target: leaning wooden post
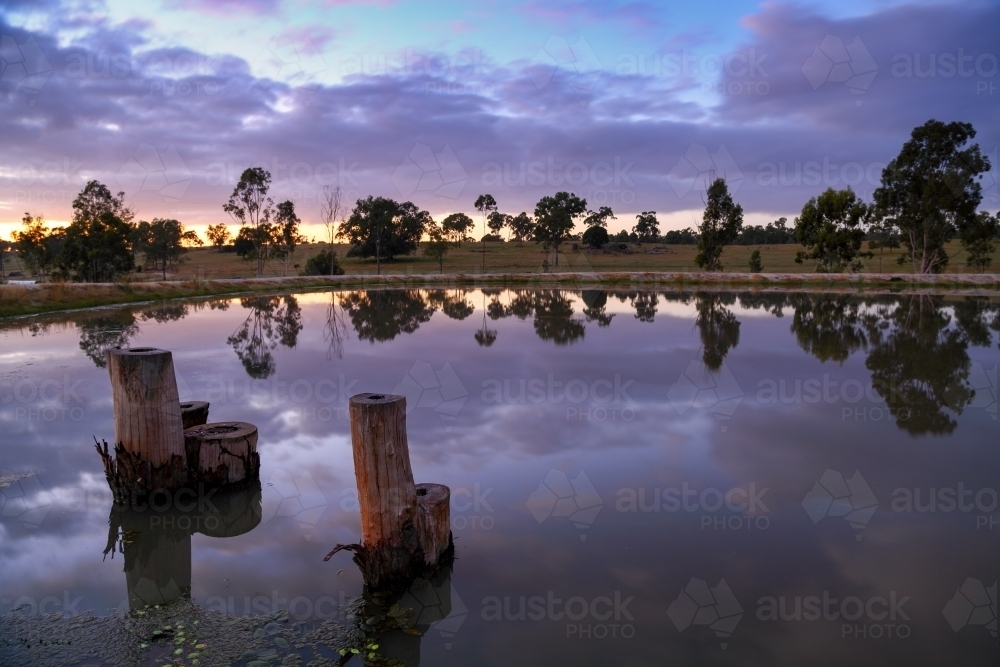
<point x="147" y="409"/>
<point x="404" y="531"/>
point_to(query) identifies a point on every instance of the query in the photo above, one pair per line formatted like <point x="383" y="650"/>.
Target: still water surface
<point x="637" y="478"/>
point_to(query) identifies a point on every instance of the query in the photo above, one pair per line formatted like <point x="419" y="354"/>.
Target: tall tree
<point x="383" y="228"/>
<point x="98" y="242"/>
<point x="437" y="247"/>
<point x="30" y="245"/>
<point x="831" y="227"/>
<point x="218" y="235"/>
<point x="931" y="191"/>
<point x="5" y="248"/>
<point x="331" y="212"/>
<point x="250" y="206"/>
<point x="555" y="218"/>
<point x="522" y="226"/>
<point x="647" y="227"/>
<point x="486" y="205"/>
<point x="456" y="226"/>
<point x="287" y="236"/>
<point x="720" y="225"/>
<point x="162" y="242"/>
<point x="978" y="240"/>
<point x="496" y="221"/>
<point x="600" y="217"/>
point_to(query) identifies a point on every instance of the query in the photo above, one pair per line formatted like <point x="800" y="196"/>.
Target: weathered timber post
<point x="222" y="454"/>
<point x="405" y="528"/>
<point x="147" y="410"/>
<point x="194" y="413"/>
<point x="149" y="432"/>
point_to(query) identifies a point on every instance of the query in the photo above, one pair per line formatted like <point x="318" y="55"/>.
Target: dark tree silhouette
<point x="830" y="328"/>
<point x="381" y="315"/>
<point x="102" y="332"/>
<point x="554" y="319"/>
<point x="920" y="365"/>
<point x="645" y="306"/>
<point x="718" y="326"/>
<point x="452" y="304"/>
<point x="596" y="302"/>
<point x="272" y="320"/>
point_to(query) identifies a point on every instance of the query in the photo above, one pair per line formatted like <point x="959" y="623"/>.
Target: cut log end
<point x="222" y="454"/>
<point x="194" y="413"/>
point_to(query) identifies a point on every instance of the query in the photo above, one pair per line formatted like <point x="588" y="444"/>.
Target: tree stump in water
<point x="147" y="410"/>
<point x="153" y="452"/>
<point x="222" y="454"/>
<point x="194" y="413"/>
<point x="434" y="506"/>
<point x="404" y="533"/>
<point x="149" y="433"/>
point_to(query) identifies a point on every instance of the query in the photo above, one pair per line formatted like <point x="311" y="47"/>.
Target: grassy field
<point x="206" y="263"/>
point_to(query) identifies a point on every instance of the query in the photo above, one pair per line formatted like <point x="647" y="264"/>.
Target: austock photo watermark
<point x="49" y="400"/>
<point x="739" y="508"/>
<point x="740" y="72"/>
<point x="716" y="611"/>
<point x="601" y="182"/>
<point x="604" y="399"/>
<point x="33" y="182"/>
<point x="581" y="617"/>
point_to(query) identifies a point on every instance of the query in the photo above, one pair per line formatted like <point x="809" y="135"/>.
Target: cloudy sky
<point x="629" y="104"/>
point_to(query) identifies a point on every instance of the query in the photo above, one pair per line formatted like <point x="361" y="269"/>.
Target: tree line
<point x="929" y="195"/>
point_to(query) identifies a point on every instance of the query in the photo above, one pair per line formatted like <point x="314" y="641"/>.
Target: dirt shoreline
<point x="25" y="300"/>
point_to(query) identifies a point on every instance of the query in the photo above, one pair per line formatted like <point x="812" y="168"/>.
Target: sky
<point x="631" y="105"/>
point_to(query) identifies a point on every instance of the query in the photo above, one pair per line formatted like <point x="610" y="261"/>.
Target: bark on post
<point x="403" y="533"/>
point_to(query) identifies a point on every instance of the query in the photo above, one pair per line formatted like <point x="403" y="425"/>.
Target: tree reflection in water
<point x="272" y="320"/>
<point x="920" y="365"/>
<point x="916" y="347"/>
<point x="104" y="331"/>
<point x="334" y="329"/>
<point x="596" y="310"/>
<point x="485" y="337"/>
<point x="381" y="315"/>
<point x="718" y="327"/>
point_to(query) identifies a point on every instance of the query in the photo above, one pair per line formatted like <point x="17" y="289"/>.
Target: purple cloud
<point x="174" y="127"/>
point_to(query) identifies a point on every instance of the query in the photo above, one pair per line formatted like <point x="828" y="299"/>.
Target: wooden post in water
<point x="149" y="432"/>
<point x="147" y="410"/>
<point x="405" y="528"/>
